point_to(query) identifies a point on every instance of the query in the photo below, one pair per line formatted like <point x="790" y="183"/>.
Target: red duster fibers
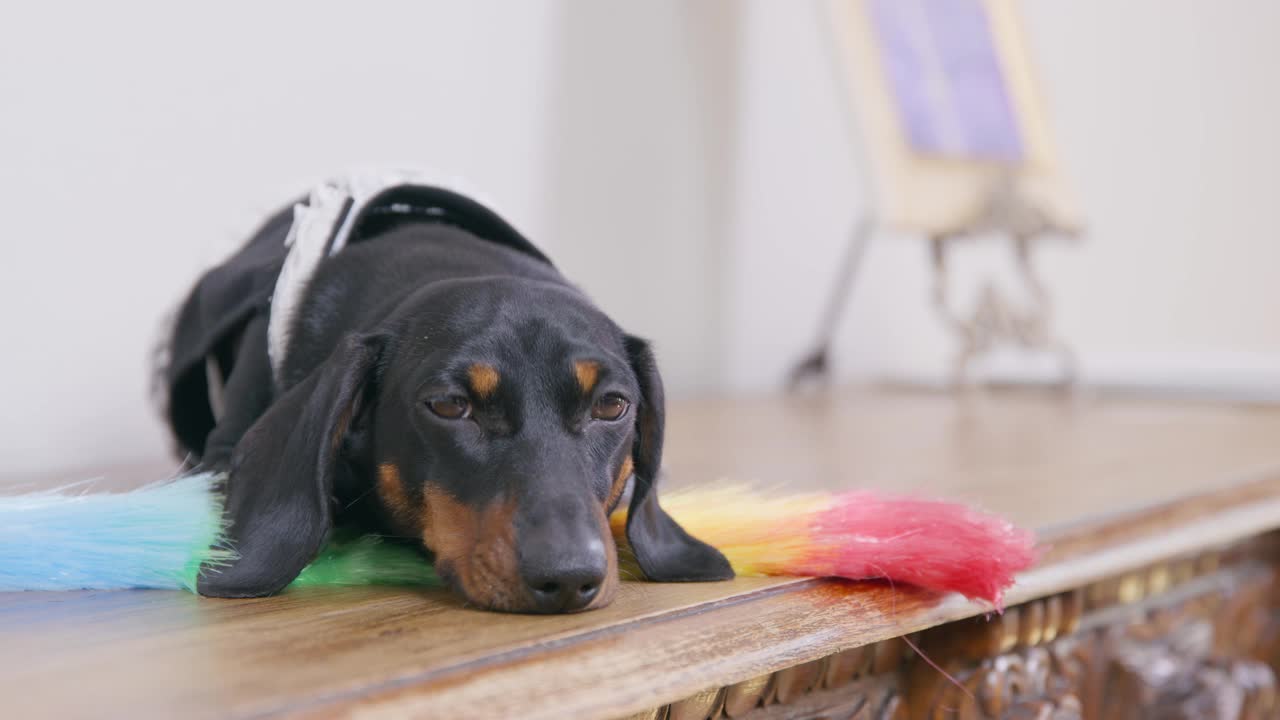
<point x="932" y="544"/>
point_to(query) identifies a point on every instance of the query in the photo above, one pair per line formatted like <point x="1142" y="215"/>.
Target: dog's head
<point x="498" y="420"/>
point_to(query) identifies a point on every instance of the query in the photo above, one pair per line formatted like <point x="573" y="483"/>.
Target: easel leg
<point x="966" y="332"/>
<point x="816" y="365"/>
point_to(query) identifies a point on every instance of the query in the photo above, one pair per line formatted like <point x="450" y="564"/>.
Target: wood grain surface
<point x="1113" y="484"/>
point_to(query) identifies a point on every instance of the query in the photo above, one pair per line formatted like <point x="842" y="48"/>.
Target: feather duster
<point x="162" y="535"/>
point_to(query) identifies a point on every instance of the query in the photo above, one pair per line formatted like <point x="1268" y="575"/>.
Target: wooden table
<point x="1155" y="593"/>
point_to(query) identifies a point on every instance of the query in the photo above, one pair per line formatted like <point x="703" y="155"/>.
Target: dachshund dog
<point x="395" y="356"/>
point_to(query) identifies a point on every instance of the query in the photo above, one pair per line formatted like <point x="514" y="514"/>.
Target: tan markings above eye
<point x="450" y="408"/>
<point x="609" y="407"/>
<point x="484" y="379"/>
<point x="587" y="372"/>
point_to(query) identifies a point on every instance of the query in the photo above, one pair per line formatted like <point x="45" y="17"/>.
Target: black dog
<point x="436" y="378"/>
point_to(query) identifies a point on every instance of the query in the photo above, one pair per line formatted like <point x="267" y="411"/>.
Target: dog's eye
<point x="450" y="408"/>
<point x="609" y="407"/>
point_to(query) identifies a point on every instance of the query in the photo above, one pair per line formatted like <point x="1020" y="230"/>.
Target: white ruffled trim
<point x="313" y="225"/>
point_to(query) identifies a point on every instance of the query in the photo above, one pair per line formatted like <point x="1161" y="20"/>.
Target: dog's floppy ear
<point x="282" y="474"/>
<point x="664" y="551"/>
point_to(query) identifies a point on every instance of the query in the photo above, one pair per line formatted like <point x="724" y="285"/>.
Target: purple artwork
<point x="944" y="73"/>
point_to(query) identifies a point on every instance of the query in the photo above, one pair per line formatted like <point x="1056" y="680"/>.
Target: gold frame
<point x="931" y="195"/>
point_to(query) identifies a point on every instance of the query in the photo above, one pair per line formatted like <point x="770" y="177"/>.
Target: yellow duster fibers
<point x="758" y="534"/>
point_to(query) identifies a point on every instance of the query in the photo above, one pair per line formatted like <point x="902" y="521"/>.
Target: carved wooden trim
<point x="1193" y="637"/>
<point x="743" y="697"/>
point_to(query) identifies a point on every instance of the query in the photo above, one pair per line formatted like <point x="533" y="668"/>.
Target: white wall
<point x="687" y="163"/>
<point x="1165" y="113"/>
<point x="140" y="142"/>
<point x="640" y="169"/>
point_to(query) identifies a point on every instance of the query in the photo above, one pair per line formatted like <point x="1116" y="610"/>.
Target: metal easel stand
<point x="995" y="320"/>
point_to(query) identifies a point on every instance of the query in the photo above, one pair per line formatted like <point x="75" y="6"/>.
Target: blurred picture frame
<point x="947" y="109"/>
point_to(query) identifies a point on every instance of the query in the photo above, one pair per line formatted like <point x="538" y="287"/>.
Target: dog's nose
<point x="561" y="550"/>
<point x="565" y="589"/>
<point x="565" y="577"/>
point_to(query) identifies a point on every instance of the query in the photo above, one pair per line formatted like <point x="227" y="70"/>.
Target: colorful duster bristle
<point x="156" y="536"/>
<point x="160" y="535"/>
<point x="859" y="535"/>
